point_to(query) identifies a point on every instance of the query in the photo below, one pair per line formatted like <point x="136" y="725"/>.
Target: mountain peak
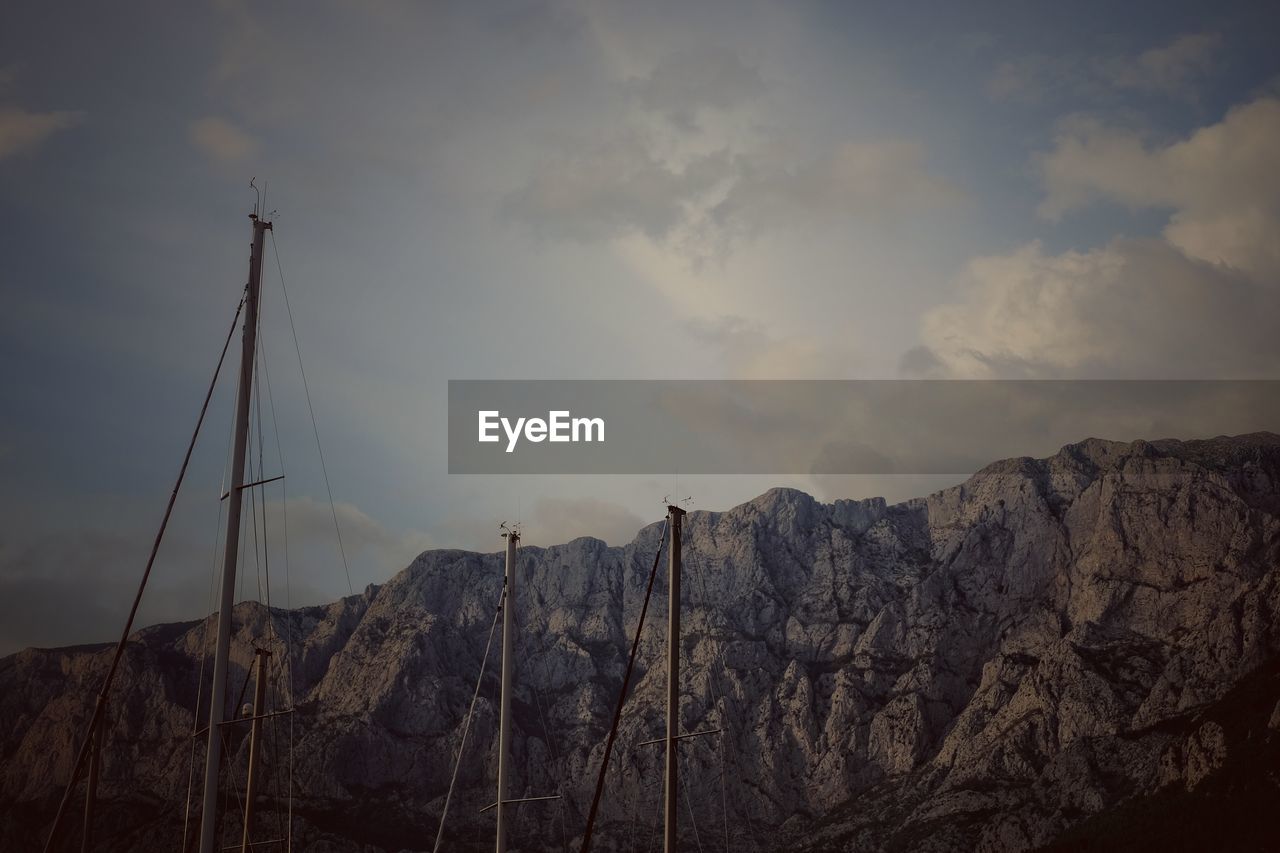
<point x="1019" y="657"/>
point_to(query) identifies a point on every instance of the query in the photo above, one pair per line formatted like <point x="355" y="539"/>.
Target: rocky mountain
<point x="1073" y="653"/>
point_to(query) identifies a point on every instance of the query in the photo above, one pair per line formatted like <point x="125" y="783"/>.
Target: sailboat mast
<point x="255" y="746"/>
<point x="504" y="702"/>
<point x="213" y="755"/>
<point x="674" y="517"/>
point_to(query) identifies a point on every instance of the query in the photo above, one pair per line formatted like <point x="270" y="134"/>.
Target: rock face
<point x="1062" y="652"/>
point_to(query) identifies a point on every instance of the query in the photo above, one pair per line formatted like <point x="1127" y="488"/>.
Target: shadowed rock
<point x="1024" y="655"/>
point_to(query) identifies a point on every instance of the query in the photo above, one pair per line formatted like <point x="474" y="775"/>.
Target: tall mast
<point x="213" y="755"/>
<point x="674" y="517"/>
<point x="255" y="746"/>
<point x="504" y="702"/>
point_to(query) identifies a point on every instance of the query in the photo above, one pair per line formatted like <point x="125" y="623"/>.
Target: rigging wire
<point x="215" y="575"/>
<point x="688" y="802"/>
<point x="232" y="788"/>
<point x="457" y="764"/>
<point x="721" y="714"/>
<point x="96" y="719"/>
<point x="550" y="742"/>
<point x="637" y="819"/>
<point x="287" y="663"/>
<point x="243" y="541"/>
<point x="257" y="546"/>
<point x="622" y="697"/>
<point x="656" y="810"/>
<point x="261" y="549"/>
<point x="204" y="656"/>
<point x="314" y="429"/>
<point x="555" y="762"/>
<point x="276" y="775"/>
<point x="264" y="568"/>
<point x="228" y="771"/>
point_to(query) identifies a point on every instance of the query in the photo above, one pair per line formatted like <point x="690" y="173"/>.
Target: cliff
<point x="1077" y="651"/>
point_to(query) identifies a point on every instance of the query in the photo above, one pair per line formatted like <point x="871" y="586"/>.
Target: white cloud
<point x="221" y="140"/>
<point x="1221" y="183"/>
<point x="21" y="130"/>
<point x="613" y="189"/>
<point x="703" y="204"/>
<point x="1134" y="308"/>
<point x="1199" y="303"/>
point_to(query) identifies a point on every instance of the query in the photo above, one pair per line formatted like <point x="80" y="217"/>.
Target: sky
<point x="567" y="190"/>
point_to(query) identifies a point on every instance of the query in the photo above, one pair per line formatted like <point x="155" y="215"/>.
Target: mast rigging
<point x="235" y="501"/>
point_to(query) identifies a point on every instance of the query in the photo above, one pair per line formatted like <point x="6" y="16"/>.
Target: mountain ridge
<point x="988" y="667"/>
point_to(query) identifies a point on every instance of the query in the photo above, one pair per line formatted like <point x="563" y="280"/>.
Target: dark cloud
<point x="612" y="189"/>
<point x="21" y="130"/>
<point x="687" y="83"/>
<point x="77" y="587"/>
<point x="859" y="180"/>
<point x="1174" y="70"/>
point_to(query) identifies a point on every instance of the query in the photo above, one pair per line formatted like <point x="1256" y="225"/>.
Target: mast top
<point x="674" y="507"/>
<point x="258" y="203"/>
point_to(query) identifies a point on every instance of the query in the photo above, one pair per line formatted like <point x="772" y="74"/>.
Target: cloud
<point x="76" y="587"/>
<point x="1198" y="303"/>
<point x="690" y="82"/>
<point x="702" y="206"/>
<point x="556" y="520"/>
<point x="1134" y="309"/>
<point x="1221" y="183"/>
<point x="220" y="140"/>
<point x="751" y="351"/>
<point x="1174" y="70"/>
<point x="1171" y="70"/>
<point x="1026" y="79"/>
<point x="372" y="549"/>
<point x="548" y="521"/>
<point x="22" y="131"/>
<point x="860" y="180"/>
<point x="613" y="189"/>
